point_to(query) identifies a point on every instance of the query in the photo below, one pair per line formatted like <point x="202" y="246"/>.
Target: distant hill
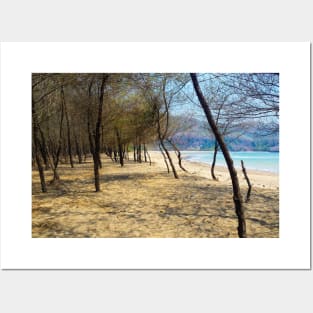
<point x="199" y="138"/>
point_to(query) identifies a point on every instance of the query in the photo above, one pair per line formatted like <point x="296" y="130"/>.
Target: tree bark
<point x="248" y="181"/>
<point x="36" y="144"/>
<point x="214" y="160"/>
<point x="139" y="152"/>
<point x="178" y="154"/>
<point x="97" y="160"/>
<point x="146" y="154"/>
<point x="237" y="197"/>
<point x="164" y="157"/>
<point x="161" y="141"/>
<point x="134" y="152"/>
<point x="58" y="151"/>
<point x="169" y="159"/>
<point x="43" y="149"/>
<point x="69" y="144"/>
<point x="120" y="147"/>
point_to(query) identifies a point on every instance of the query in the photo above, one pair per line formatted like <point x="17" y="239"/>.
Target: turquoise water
<point x="256" y="160"/>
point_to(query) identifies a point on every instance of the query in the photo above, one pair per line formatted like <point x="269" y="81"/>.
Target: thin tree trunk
<point x="145" y="152"/>
<point x="36" y="144"/>
<point x="148" y="154"/>
<point x="102" y="138"/>
<point x="41" y="171"/>
<point x="43" y="149"/>
<point x="134" y="148"/>
<point x="57" y="156"/>
<point x="214" y="160"/>
<point x="115" y="155"/>
<point x="178" y="154"/>
<point x="97" y="160"/>
<point x="69" y="145"/>
<point x="120" y="148"/>
<point x="161" y="142"/>
<point x="237" y="197"/>
<point x="139" y="153"/>
<point x="91" y="140"/>
<point x="248" y="181"/>
<point x="164" y="157"/>
<point x="169" y="159"/>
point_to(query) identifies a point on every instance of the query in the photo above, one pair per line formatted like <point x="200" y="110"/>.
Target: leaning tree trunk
<point x="43" y="148"/>
<point x="146" y="153"/>
<point x="169" y="158"/>
<point x="214" y="160"/>
<point x="36" y="147"/>
<point x="161" y="144"/>
<point x="237" y="198"/>
<point x="164" y="157"/>
<point x="178" y="154"/>
<point x="248" y="181"/>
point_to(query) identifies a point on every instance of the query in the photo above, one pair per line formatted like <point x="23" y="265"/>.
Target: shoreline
<point x="258" y="178"/>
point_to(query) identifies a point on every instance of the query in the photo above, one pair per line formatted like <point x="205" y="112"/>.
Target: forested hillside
<point x="197" y="137"/>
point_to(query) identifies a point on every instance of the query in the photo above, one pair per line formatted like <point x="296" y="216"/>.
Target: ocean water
<point x="255" y="160"/>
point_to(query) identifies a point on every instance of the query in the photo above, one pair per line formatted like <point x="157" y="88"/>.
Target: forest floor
<point x="139" y="200"/>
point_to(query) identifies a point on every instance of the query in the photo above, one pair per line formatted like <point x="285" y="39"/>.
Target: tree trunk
<point x="115" y="155"/>
<point x="214" y="160"/>
<point x="41" y="172"/>
<point x="237" y="198"/>
<point x="102" y="138"/>
<point x="36" y="144"/>
<point x="178" y="154"/>
<point x="69" y="145"/>
<point x="145" y="152"/>
<point x="169" y="159"/>
<point x="120" y="147"/>
<point x="164" y="157"/>
<point x="97" y="159"/>
<point x="161" y="143"/>
<point x="58" y="151"/>
<point x="139" y="153"/>
<point x="148" y="154"/>
<point x="134" y="148"/>
<point x="248" y="181"/>
<point x="43" y="149"/>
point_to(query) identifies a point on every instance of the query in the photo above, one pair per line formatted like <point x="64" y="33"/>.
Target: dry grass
<point x="139" y="200"/>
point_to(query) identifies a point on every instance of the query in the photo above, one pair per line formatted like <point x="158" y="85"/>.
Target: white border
<point x="19" y="250"/>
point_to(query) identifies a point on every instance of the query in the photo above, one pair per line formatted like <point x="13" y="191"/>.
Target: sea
<point x="254" y="160"/>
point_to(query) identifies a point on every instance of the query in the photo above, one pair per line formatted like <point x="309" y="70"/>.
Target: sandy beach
<point x="139" y="200"/>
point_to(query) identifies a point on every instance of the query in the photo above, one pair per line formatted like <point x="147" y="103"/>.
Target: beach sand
<point x="139" y="200"/>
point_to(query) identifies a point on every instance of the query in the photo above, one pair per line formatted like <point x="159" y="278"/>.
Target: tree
<point x="237" y="197"/>
<point x="36" y="146"/>
<point x="94" y="135"/>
